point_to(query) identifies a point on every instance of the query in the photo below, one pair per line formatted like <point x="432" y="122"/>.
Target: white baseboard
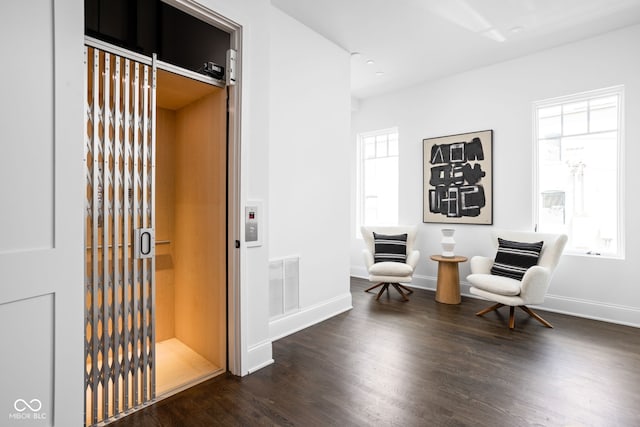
<point x="595" y="310"/>
<point x="258" y="356"/>
<point x="612" y="313"/>
<point x="359" y="272"/>
<point x="425" y="282"/>
<point x="305" y="317"/>
<point x="419" y="282"/>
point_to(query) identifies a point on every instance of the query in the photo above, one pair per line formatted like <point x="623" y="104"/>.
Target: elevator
<point x="155" y="232"/>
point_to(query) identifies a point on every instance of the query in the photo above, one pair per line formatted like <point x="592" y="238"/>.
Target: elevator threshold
<point x="179" y="367"/>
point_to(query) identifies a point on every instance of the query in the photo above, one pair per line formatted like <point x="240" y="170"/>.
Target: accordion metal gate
<point x="120" y="114"/>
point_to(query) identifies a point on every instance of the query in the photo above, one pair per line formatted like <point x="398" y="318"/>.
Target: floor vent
<point x="284" y="282"/>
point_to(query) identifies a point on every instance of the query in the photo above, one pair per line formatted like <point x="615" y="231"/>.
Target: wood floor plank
<point x="420" y="363"/>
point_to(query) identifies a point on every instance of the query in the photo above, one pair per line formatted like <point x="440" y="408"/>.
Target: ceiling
<point x="411" y="41"/>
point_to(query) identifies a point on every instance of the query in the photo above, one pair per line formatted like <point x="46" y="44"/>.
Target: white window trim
<point x="620" y="182"/>
<point x="360" y="136"/>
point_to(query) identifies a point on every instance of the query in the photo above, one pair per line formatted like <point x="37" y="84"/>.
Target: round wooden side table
<point x="448" y="286"/>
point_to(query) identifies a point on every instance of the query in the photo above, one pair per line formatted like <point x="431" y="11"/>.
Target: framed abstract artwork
<point x="457" y="178"/>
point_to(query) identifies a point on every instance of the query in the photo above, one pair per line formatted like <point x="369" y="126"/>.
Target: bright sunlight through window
<point x="378" y="178"/>
<point x="579" y="142"/>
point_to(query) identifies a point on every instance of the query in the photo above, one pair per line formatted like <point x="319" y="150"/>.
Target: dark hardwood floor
<point x="421" y="363"/>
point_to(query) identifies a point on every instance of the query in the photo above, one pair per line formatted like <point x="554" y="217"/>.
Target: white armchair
<point x="390" y="273"/>
<point x="533" y="286"/>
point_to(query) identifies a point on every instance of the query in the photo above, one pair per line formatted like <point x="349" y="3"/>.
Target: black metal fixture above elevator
<point x="152" y="26"/>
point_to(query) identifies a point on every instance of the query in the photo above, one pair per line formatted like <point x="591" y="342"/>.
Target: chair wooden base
<point x="512" y="317"/>
<point x="402" y="290"/>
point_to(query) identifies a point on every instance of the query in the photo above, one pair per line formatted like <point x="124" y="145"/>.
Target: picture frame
<point x="458" y="178"/>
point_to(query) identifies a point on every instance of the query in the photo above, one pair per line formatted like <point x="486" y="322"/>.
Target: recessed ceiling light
<point x="379" y="73"/>
<point x="370" y="62"/>
<point x="355" y="55"/>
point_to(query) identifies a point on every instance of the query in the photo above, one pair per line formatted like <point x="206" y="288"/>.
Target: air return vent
<point x="284" y="282"/>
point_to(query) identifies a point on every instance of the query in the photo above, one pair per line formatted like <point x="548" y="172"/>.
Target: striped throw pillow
<point x="514" y="258"/>
<point x="391" y="248"/>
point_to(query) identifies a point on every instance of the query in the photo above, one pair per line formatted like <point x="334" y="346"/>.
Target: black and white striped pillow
<point x="390" y="248"/>
<point x="514" y="258"/>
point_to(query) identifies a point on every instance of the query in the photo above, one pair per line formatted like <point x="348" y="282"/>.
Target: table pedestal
<point x="448" y="287"/>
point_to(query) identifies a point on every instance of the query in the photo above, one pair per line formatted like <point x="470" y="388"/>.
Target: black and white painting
<point x="458" y="178"/>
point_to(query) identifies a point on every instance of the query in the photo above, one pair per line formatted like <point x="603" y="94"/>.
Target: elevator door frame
<point x="234" y="338"/>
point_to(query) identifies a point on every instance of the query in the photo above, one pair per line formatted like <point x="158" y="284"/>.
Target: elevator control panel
<point x="251" y="224"/>
<point x="144" y="243"/>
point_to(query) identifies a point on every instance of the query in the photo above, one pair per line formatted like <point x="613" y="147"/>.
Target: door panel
<point x="41" y="196"/>
<point x="26" y="152"/>
<point x="31" y="392"/>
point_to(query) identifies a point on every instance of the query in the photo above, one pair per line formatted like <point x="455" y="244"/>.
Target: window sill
<point x="595" y="256"/>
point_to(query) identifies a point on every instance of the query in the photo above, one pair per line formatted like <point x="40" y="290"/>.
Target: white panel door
<point x="41" y="202"/>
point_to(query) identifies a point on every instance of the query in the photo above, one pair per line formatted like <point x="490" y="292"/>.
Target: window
<point x="378" y="178"/>
<point x="578" y="187"/>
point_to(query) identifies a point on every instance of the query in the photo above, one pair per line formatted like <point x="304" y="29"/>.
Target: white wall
<point x="309" y="194"/>
<point x="500" y="97"/>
